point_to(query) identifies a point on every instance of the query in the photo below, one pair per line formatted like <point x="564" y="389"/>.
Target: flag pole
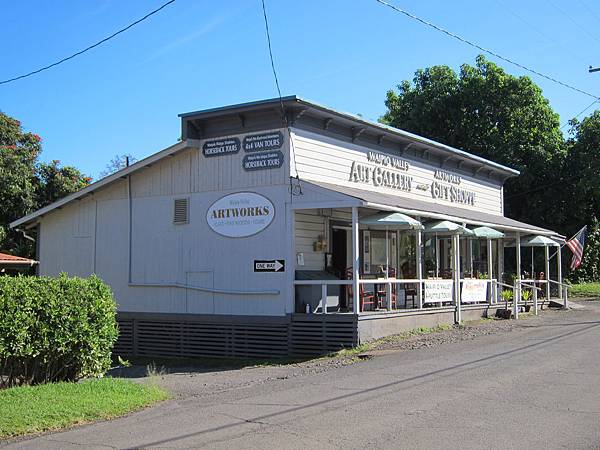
<point x="567" y="240"/>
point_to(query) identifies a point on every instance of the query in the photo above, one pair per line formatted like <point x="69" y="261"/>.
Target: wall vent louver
<point x="181" y="211"/>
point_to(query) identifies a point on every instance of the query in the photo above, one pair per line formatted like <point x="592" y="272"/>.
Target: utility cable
<point x="294" y="190"/>
<point x="485" y="50"/>
<point x="87" y="48"/>
<point x="577" y="116"/>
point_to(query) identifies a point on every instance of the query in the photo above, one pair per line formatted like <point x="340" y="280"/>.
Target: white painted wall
<point x="92" y="236"/>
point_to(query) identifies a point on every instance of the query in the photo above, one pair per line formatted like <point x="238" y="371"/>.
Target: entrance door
<point x="341" y="257"/>
<point x="339" y="251"/>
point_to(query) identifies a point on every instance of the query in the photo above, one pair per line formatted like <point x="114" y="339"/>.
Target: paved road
<point x="535" y="387"/>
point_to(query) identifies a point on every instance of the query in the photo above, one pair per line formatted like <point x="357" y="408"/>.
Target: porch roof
<point x="433" y="210"/>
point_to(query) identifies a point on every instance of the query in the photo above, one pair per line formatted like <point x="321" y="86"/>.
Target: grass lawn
<point x="585" y="290"/>
<point x="32" y="409"/>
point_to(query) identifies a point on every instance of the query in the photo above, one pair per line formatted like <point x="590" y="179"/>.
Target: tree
<point x="497" y="116"/>
<point x="54" y="182"/>
<point x="117" y="163"/>
<point x="26" y="184"/>
<point x="583" y="168"/>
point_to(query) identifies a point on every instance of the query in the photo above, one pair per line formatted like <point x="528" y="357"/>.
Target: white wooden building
<point x="231" y="241"/>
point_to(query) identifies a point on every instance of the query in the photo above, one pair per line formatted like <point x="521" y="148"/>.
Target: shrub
<point x="54" y="329"/>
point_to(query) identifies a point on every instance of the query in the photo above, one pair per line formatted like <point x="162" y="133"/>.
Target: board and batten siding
<point x="91" y="235"/>
<point x="309" y="225"/>
<point x="190" y="171"/>
<point x="325" y="159"/>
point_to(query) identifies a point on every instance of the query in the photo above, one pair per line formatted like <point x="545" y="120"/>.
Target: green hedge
<point x="54" y="329"/>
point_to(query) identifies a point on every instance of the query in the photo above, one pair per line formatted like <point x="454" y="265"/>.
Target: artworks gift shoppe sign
<point x="383" y="170"/>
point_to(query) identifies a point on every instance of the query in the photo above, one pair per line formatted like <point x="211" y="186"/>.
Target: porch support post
<point x="500" y="259"/>
<point x="518" y="289"/>
<point x="559" y="273"/>
<point x="419" y="250"/>
<point x="437" y="256"/>
<point x="547" y="269"/>
<point x="355" y="262"/>
<point x="490" y="270"/>
<point x="291" y="259"/>
<point x="456" y="275"/>
<point x="470" y="255"/>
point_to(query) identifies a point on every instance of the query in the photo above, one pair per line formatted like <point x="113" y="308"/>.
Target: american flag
<point x="576" y="244"/>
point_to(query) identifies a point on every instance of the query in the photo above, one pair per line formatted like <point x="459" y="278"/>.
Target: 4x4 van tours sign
<point x="263" y="141"/>
<point x="241" y="214"/>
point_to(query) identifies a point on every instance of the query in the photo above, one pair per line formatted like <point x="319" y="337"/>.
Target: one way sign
<point x="269" y="265"/>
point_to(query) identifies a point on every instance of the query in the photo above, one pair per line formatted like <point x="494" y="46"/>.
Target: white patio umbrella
<point x="535" y="241"/>
<point x="445" y="228"/>
<point x="487" y="233"/>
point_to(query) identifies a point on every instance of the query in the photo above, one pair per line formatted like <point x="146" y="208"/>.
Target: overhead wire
<point x="485" y="50"/>
<point x="294" y="190"/>
<point x="577" y="116"/>
<point x="122" y="30"/>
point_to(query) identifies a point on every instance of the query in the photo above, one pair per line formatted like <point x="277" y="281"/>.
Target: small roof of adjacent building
<point x="7" y="260"/>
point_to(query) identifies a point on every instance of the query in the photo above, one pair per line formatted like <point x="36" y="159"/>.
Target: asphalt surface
<point x="534" y="386"/>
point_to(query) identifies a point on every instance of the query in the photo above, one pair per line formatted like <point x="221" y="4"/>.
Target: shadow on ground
<point x="144" y="367"/>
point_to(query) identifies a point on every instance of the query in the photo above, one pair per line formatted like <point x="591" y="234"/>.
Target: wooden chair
<point x="366" y="297"/>
<point x="382" y="290"/>
<point x="410" y="291"/>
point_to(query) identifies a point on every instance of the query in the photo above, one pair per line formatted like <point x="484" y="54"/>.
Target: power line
<point x="87" y="48"/>
<point x="264" y="8"/>
<point x="294" y="190"/>
<point x="490" y="52"/>
<point x="577" y="116"/>
<point x="577" y="24"/>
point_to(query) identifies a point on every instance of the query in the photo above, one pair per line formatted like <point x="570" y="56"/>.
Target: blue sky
<point x="124" y="96"/>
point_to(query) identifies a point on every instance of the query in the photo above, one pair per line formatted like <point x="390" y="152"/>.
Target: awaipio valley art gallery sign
<point x="391" y="172"/>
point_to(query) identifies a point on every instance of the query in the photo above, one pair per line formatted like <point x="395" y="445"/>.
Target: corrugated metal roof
<point x="434" y="210"/>
<point x="292" y="100"/>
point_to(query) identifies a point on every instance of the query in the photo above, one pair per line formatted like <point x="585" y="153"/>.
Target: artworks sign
<point x="438" y="291"/>
<point x="473" y="291"/>
<point x="241" y="214"/>
<point x="262" y="161"/>
<point x="264" y="141"/>
<point x="219" y="147"/>
<point x="448" y="177"/>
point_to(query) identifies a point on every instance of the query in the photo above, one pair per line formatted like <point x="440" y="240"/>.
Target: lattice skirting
<point x="188" y="336"/>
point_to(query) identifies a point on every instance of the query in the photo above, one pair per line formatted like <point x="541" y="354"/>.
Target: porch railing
<point x="393" y="289"/>
<point x="393" y="285"/>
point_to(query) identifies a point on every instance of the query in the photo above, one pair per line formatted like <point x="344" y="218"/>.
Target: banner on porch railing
<point x="473" y="291"/>
<point x="438" y="291"/>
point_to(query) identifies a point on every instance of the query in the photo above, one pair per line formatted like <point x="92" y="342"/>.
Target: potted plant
<point x="507" y="296"/>
<point x="525" y="296"/>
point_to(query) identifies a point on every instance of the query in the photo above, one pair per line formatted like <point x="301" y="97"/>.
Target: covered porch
<point x="417" y="267"/>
